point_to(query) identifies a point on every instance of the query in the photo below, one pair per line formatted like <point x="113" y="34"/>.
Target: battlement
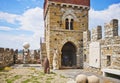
<point x="7" y="57"/>
<point x="104" y="50"/>
<point x="97" y="33"/>
<point x="86" y="36"/>
<point x="110" y="30"/>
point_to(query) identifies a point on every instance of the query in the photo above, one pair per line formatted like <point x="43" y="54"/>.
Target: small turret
<point x="97" y="33"/>
<point x="86" y="36"/>
<point x="111" y="29"/>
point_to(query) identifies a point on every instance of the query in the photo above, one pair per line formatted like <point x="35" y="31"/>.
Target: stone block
<point x="93" y="79"/>
<point x="81" y="78"/>
<point x="1" y="54"/>
<point x="1" y="50"/>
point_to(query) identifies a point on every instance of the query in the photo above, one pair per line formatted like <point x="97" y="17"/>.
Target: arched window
<point x="67" y="24"/>
<point x="71" y="24"/>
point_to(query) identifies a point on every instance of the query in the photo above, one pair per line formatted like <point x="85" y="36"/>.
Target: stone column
<point x="26" y="56"/>
<point x="26" y="52"/>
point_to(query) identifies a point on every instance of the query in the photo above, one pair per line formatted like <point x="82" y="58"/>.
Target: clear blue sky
<point x="22" y="20"/>
<point x="19" y="6"/>
<point x="102" y="4"/>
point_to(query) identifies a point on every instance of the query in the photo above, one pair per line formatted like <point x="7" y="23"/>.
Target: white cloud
<point x="16" y="41"/>
<point x="104" y="16"/>
<point x="31" y="20"/>
<point x="4" y="28"/>
<point x="10" y="18"/>
<point x="13" y="41"/>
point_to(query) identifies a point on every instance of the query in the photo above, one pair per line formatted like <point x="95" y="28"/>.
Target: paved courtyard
<point x="72" y="73"/>
<point x="33" y="73"/>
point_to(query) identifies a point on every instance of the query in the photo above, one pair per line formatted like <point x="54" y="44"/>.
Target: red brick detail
<point x="45" y="5"/>
<point x="77" y="2"/>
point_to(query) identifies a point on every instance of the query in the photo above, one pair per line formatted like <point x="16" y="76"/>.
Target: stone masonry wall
<point x="96" y="33"/>
<point x="110" y="47"/>
<point x="86" y="42"/>
<point x="111" y="29"/>
<point x="59" y="38"/>
<point x="7" y="57"/>
<point x="56" y="34"/>
<point x="43" y="52"/>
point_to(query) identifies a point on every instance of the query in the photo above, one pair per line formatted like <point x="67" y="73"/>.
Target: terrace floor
<point x="33" y="73"/>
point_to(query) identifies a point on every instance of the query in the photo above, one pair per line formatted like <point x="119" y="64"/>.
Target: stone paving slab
<point x="72" y="73"/>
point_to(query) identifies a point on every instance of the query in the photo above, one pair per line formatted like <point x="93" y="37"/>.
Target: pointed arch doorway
<point x="68" y="57"/>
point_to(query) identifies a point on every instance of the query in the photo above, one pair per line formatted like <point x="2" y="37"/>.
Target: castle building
<point x="64" y="23"/>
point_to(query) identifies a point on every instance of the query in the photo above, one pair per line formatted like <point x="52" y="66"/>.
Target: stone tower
<point x="64" y="22"/>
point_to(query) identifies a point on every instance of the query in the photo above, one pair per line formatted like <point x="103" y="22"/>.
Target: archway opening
<point x="68" y="57"/>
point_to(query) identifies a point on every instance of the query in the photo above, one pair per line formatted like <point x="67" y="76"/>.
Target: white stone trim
<point x="110" y="45"/>
<point x="112" y="71"/>
<point x="70" y="15"/>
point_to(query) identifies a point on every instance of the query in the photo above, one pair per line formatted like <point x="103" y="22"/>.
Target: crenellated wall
<point x="96" y="33"/>
<point x="10" y="57"/>
<point x="111" y="29"/>
<point x="7" y="57"/>
<point x="33" y="57"/>
<point x="108" y="51"/>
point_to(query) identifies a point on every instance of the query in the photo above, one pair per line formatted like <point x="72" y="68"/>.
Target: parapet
<point x="6" y="57"/>
<point x="111" y="29"/>
<point x="86" y="36"/>
<point x="1" y="50"/>
<point x="97" y="33"/>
